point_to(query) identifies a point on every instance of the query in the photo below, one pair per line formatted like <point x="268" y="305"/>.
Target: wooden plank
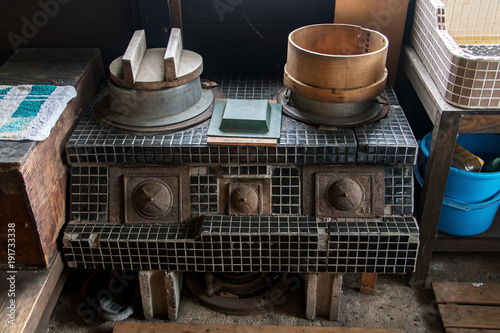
<point x="467" y="293"/>
<point x="133" y="55"/>
<point x="173" y="55"/>
<point x="480" y="123"/>
<point x="175" y="13"/>
<point x="131" y="327"/>
<point x="469" y="330"/>
<point x="34" y="294"/>
<point x="51" y="304"/>
<point x="232" y="141"/>
<point x="368" y="283"/>
<point x="385" y="16"/>
<point x="470" y="316"/>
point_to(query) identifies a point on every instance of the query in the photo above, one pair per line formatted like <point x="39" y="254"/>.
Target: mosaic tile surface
<point x="89" y="193"/>
<point x="463" y="78"/>
<point x="281" y="241"/>
<point x="299" y="143"/>
<point x="248" y="244"/>
<point x="89" y="190"/>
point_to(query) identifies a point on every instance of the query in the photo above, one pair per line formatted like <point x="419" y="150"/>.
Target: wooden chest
<point x="33" y="174"/>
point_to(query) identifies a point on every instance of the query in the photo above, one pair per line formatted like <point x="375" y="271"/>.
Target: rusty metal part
<point x="246" y="293"/>
<point x="152" y="199"/>
<point x="333" y="114"/>
<point x="343" y="191"/>
<point x="244" y="199"/>
<point x="345" y="194"/>
<point x="233" y="206"/>
<point x="130" y="190"/>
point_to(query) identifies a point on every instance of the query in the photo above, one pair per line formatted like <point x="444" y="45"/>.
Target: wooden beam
<point x="467" y="293"/>
<point x="469" y="330"/>
<point x="483" y="123"/>
<point x="175" y="13"/>
<point x="368" y="283"/>
<point x="470" y="316"/>
<point x="135" y="327"/>
<point x="438" y="166"/>
<point x="173" y="54"/>
<point x="51" y="304"/>
<point x="131" y="60"/>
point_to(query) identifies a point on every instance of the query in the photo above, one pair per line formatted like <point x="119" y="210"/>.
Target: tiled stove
<point x="244" y="208"/>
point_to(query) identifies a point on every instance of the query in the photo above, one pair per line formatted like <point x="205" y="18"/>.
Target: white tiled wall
<point x="473" y="17"/>
<point x="463" y="79"/>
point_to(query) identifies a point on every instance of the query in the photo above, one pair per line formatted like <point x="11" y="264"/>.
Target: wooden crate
<point x="468" y="307"/>
<point x="33" y="174"/>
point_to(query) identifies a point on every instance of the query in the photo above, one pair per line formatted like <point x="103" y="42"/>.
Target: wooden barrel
<point x="336" y="63"/>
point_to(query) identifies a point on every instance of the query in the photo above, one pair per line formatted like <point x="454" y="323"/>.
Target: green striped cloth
<point x="28" y="112"/>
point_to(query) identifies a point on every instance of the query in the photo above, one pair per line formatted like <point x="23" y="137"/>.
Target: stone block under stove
<point x="296" y="215"/>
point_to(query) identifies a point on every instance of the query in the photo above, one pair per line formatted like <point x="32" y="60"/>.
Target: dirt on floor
<point x="394" y="305"/>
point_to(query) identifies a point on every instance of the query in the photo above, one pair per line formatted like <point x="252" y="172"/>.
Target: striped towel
<point x="28" y="112"/>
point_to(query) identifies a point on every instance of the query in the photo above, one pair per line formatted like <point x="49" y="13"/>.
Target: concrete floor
<point x="394" y="305"/>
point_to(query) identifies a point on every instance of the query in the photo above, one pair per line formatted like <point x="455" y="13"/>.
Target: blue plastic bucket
<point x="465" y="219"/>
<point x="469" y="186"/>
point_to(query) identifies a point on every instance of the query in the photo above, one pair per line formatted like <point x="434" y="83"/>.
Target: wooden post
<point x="444" y="136"/>
<point x="174" y="6"/>
<point x="368" y="283"/>
<point x="323" y="292"/>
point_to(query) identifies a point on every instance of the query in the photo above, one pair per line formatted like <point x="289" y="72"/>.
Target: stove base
<point x="323" y="295"/>
<point x="248" y="244"/>
<point x="160" y="293"/>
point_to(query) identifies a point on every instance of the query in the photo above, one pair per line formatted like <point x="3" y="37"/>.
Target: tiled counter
<point x="288" y="232"/>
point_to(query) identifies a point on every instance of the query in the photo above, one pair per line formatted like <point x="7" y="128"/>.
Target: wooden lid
<point x="151" y="74"/>
<point x="151" y="69"/>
